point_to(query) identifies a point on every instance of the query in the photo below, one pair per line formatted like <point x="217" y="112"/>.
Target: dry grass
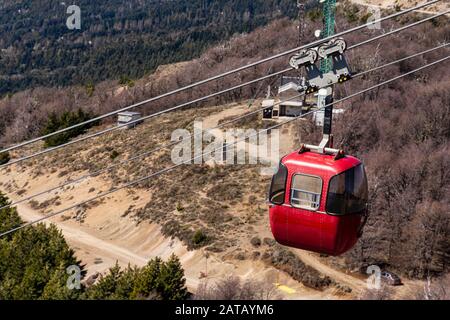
<point x="215" y="207"/>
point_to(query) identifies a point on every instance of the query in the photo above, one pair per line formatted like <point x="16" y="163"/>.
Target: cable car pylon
<point x="318" y="197"/>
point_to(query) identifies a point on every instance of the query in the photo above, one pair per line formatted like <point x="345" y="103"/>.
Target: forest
<point x="117" y="38"/>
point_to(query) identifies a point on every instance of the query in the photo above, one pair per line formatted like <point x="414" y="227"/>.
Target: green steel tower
<point x="329" y="8"/>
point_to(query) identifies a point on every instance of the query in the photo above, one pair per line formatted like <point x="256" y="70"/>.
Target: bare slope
<point x="158" y="218"/>
<point x="226" y="203"/>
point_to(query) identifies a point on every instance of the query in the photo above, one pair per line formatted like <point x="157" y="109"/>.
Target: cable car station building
<point x="128" y="117"/>
<point x="284" y="105"/>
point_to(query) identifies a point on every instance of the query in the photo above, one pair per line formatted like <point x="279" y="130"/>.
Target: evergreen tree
<point x="57" y="289"/>
<point x="129" y="39"/>
<point x="9" y="218"/>
<point x="171" y="282"/>
<point x="106" y="287"/>
<point x="126" y="283"/>
<point x="157" y="280"/>
<point x="65" y="120"/>
<point x="147" y="281"/>
<point x="33" y="260"/>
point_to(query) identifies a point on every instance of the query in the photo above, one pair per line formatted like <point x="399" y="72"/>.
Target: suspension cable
<point x="217" y="77"/>
<point x="199" y="99"/>
<point x="137" y="181"/>
<point x="166" y="146"/>
<point x="398" y="30"/>
<point x="359" y="74"/>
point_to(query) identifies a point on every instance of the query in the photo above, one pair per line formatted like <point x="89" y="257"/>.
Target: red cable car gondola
<point x="318" y="200"/>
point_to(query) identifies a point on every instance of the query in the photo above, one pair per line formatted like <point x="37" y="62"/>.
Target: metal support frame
<point x="315" y="77"/>
<point x="324" y="101"/>
<point x="338" y="154"/>
<point x="333" y="69"/>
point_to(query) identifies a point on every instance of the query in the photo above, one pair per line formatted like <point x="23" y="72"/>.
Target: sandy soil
<point x="103" y="240"/>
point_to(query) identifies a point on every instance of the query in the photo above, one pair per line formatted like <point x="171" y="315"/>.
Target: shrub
<point x="180" y="207"/>
<point x="352" y="14"/>
<point x="126" y="81"/>
<point x="315" y="14"/>
<point x="384" y="293"/>
<point x="65" y="120"/>
<point x="270" y="242"/>
<point x="90" y="88"/>
<point x="285" y="260"/>
<point x="4" y="158"/>
<point x="255" y="241"/>
<point x="114" y="154"/>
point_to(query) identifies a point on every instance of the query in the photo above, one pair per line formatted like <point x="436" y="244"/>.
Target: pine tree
<point x="30" y="257"/>
<point x="148" y="280"/>
<point x="9" y="218"/>
<point x="65" y="120"/>
<point x="33" y="264"/>
<point x="106" y="287"/>
<point x="171" y="282"/>
<point x="126" y="283"/>
<point x="57" y="289"/>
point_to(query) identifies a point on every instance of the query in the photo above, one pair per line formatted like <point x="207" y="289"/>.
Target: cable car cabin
<point x="318" y="202"/>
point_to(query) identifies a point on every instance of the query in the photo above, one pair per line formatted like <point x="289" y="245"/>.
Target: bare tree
<point x="383" y="293"/>
<point x="436" y="290"/>
<point x="233" y="288"/>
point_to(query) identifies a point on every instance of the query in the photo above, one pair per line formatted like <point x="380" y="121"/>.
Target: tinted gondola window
<point x="278" y="186"/>
<point x="306" y="191"/>
<point x="347" y="192"/>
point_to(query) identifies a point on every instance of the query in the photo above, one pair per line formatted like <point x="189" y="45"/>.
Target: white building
<point x="285" y="105"/>
<point x="289" y="106"/>
<point x="127" y="117"/>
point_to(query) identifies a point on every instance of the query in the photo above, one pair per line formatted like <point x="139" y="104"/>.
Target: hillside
<point x="137" y="224"/>
<point x="400" y="131"/>
<point x="116" y="38"/>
